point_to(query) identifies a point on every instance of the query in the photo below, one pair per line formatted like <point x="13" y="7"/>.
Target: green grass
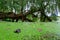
<point x="27" y="30"/>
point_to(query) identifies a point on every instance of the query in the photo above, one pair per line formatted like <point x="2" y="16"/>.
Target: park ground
<point x="29" y="30"/>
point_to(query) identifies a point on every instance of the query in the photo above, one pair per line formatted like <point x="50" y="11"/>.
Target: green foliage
<point x="19" y="5"/>
<point x="54" y="17"/>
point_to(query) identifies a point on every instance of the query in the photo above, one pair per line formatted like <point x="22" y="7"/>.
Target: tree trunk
<point x="44" y="16"/>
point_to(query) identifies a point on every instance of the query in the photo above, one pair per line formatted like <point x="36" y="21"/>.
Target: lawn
<point x="29" y="31"/>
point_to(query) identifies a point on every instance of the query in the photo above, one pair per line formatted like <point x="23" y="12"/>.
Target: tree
<point x="41" y="6"/>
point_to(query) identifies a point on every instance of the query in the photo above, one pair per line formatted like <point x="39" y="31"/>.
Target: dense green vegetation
<point x="29" y="31"/>
<point x="43" y="7"/>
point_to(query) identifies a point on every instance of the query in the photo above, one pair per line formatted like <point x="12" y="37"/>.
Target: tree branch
<point x="46" y="5"/>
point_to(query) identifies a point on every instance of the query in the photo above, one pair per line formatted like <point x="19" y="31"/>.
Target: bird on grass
<point x="17" y="31"/>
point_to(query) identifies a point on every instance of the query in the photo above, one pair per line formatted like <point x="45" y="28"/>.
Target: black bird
<point x="17" y="31"/>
